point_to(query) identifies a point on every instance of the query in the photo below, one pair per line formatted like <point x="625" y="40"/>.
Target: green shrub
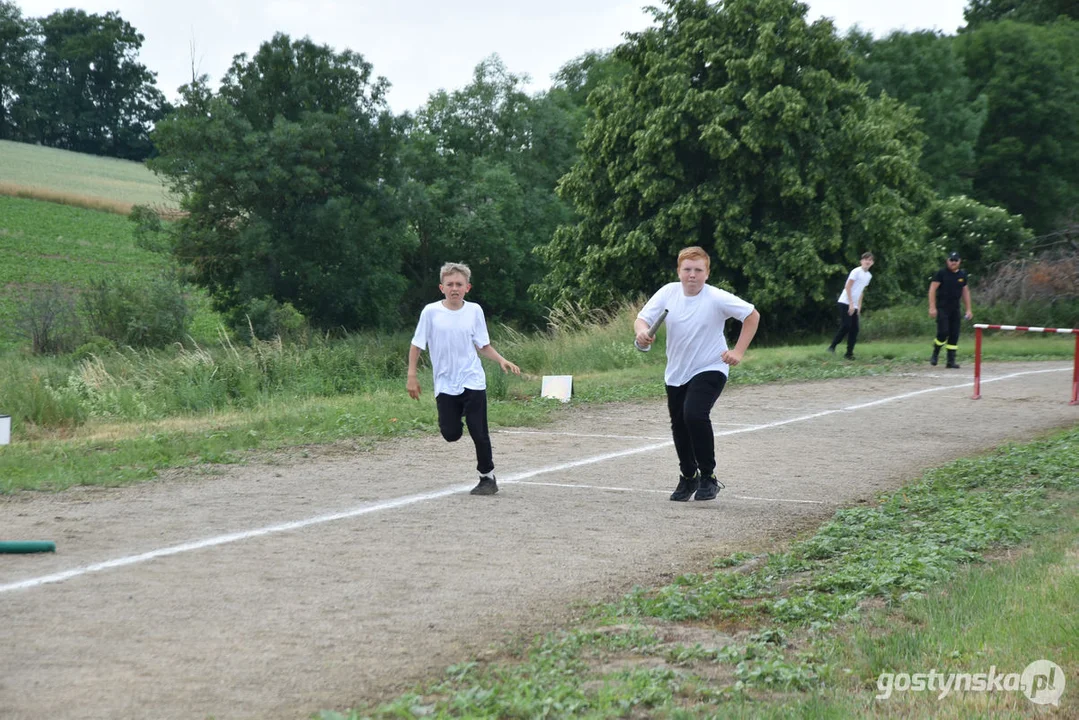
<point x="149" y="313"/>
<point x="265" y="318"/>
<point x="149" y="231"/>
<point x="95" y="346"/>
<point x="900" y="321"/>
<point x="47" y="318"/>
<point x="982" y="234"/>
<point x="1032" y="313"/>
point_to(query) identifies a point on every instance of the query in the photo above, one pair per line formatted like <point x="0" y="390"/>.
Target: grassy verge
<point x="126" y="417"/>
<point x="902" y="587"/>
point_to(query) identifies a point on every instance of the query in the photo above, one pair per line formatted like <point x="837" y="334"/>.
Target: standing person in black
<point x="947" y="286"/>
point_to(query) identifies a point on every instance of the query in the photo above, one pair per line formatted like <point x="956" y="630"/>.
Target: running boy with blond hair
<point x="454" y="332"/>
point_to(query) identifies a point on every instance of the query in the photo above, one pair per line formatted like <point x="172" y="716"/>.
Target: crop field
<point x="77" y="179"/>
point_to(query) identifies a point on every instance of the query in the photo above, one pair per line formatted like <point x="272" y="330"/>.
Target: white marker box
<point x="5" y="429"/>
<point x="559" y="387"/>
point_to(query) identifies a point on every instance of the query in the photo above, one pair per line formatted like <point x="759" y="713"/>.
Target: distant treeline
<point x="781" y="147"/>
<point x="72" y="80"/>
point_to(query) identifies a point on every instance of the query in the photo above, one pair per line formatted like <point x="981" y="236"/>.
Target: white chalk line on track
<point x="406" y="500"/>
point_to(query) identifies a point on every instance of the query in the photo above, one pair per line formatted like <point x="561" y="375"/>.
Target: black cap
<point x="953" y="255"/>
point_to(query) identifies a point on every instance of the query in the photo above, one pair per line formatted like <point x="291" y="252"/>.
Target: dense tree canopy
<point x="742" y="128"/>
<point x="576" y="80"/>
<point x="923" y="71"/>
<point x="482" y="163"/>
<point x="88" y="91"/>
<point x="16" y="65"/>
<point x="983" y="235"/>
<point x="981" y="12"/>
<point x="1028" y="151"/>
<point x="289" y="174"/>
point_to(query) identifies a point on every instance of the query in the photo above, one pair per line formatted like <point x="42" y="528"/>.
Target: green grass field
<point x="44" y="243"/>
<point x="78" y="179"/>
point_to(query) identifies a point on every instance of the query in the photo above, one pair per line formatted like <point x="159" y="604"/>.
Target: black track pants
<point x="472" y="405"/>
<point x="848" y="327"/>
<point x="690" y="406"/>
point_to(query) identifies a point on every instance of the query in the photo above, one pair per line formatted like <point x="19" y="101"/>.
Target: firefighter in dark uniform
<point x="948" y="285"/>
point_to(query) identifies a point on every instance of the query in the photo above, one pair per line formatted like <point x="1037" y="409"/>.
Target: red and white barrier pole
<point x="1075" y="374"/>
<point x="978" y="353"/>
<point x="977" y="363"/>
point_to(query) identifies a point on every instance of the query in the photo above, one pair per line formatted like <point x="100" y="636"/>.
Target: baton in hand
<point x="652" y="329"/>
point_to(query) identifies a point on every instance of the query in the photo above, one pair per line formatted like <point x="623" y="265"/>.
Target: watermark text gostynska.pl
<point x="1042" y="682"/>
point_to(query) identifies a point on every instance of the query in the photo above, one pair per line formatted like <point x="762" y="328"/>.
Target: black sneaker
<point x="686" y="488"/>
<point x="933" y="359"/>
<point x="848" y="356"/>
<point x="710" y="487"/>
<point x="952" y="366"/>
<point x="831" y="349"/>
<point x="487" y="486"/>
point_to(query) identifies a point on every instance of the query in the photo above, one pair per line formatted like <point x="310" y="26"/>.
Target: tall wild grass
<point x="52" y="394"/>
<point x="132" y="385"/>
<point x="148" y="384"/>
<point x="589" y="341"/>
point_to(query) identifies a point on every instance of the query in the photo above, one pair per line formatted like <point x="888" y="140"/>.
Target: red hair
<point x="695" y="253"/>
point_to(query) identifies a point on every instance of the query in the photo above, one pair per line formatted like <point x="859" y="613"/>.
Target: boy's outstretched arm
<point x="413" y="383"/>
<point x="490" y="353"/>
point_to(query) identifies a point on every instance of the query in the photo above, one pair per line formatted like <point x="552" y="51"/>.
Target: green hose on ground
<point x="27" y="546"/>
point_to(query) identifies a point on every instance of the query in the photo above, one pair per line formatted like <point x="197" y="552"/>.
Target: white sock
<point x="489" y="476"/>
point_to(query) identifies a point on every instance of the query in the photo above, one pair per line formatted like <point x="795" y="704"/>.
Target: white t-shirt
<point x="695" y="340"/>
<point x="861" y="280"/>
<point x="451" y="337"/>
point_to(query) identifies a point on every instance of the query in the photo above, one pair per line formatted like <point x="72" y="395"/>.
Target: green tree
<point x="743" y="129"/>
<point x="983" y="235"/>
<point x="981" y="12"/>
<point x="579" y="77"/>
<point x="90" y="92"/>
<point x="289" y="176"/>
<point x="482" y="163"/>
<point x="922" y="70"/>
<point x="18" y="43"/>
<point x="1028" y="151"/>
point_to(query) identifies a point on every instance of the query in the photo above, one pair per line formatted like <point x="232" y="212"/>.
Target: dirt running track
<point x="390" y="571"/>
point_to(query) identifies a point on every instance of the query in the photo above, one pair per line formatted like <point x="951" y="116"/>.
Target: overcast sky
<point x="426" y="45"/>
